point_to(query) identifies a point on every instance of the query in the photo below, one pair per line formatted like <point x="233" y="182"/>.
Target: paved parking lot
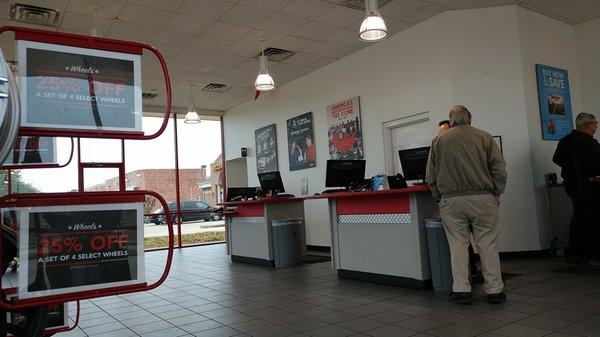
<point x="152" y="230"/>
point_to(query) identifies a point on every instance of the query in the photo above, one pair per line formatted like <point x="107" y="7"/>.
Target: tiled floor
<point x="207" y="295"/>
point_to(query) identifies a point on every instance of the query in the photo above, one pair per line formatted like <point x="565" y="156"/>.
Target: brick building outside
<point x="161" y="181"/>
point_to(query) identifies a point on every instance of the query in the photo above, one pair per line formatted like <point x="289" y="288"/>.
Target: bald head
<point x="459" y="115"/>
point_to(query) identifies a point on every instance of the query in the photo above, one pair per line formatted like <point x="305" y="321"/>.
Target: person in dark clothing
<point x="578" y="155"/>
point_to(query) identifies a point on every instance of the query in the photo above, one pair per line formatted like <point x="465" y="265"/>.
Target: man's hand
<point x="498" y="200"/>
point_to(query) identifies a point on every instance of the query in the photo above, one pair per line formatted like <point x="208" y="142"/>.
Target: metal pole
<point x="177" y="192"/>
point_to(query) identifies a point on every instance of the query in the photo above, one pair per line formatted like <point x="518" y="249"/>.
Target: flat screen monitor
<point x="242" y="193"/>
<point x="414" y="162"/>
<point x="270" y="182"/>
<point x="345" y="173"/>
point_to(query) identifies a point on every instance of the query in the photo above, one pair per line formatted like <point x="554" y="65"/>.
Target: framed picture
<point x="555" y="102"/>
<point x="65" y="87"/>
<point x="345" y="133"/>
<point x="265" y="140"/>
<point x="301" y="142"/>
<point x="71" y="248"/>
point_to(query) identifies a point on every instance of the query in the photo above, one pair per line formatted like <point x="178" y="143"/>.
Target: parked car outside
<point x="154" y="217"/>
<point x="192" y="211"/>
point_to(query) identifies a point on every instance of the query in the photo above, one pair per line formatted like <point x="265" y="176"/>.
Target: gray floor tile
<point x="98" y="329"/>
<point x="481" y="324"/>
<point x="117" y="333"/>
<point x="150" y="327"/>
<point x="453" y="331"/>
<point x="361" y="324"/>
<point x="201" y="326"/>
<point x="419" y="324"/>
<point x="390" y="331"/>
<point x="517" y="330"/>
<point x="390" y="317"/>
<point x="224" y="331"/>
<point x="582" y="329"/>
<point x="306" y="325"/>
<point x="171" y="332"/>
<point x="336" y="317"/>
<point x="543" y="322"/>
<point x="330" y="331"/>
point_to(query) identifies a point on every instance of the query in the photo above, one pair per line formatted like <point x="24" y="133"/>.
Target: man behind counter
<point x="578" y="155"/>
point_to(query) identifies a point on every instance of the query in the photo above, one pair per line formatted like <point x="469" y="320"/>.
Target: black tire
<point x="216" y="217"/>
<point x="34" y="319"/>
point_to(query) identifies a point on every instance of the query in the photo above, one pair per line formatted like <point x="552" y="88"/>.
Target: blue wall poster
<point x="555" y="102"/>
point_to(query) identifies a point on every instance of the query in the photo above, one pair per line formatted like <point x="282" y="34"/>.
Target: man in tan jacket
<point x="466" y="174"/>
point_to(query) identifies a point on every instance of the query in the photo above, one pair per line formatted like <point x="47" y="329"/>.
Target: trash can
<point x="287" y="242"/>
<point x="439" y="255"/>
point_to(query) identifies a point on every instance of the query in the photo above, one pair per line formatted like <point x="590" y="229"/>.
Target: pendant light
<point x="373" y="28"/>
<point x="264" y="81"/>
<point x="192" y="116"/>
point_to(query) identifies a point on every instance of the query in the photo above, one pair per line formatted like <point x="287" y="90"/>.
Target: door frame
<point x="389" y="126"/>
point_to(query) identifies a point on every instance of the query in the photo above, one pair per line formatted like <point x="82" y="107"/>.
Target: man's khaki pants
<point x="479" y="213"/>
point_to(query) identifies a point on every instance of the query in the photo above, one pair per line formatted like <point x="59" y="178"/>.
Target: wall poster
<point x="266" y="149"/>
<point x="73" y="248"/>
<point x="79" y="88"/>
<point x="301" y="144"/>
<point x="345" y="134"/>
<point x="32" y="150"/>
<point x="555" y="102"/>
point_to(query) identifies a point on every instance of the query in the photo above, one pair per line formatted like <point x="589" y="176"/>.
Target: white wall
<point x="588" y="47"/>
<point x="470" y="57"/>
<point x="550" y="42"/>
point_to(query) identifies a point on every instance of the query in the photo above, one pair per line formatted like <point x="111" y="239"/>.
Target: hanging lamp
<point x="373" y="28"/>
<point x="191" y="117"/>
<point x="264" y="81"/>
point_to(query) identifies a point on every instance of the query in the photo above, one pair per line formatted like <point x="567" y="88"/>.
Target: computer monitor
<point x="242" y="193"/>
<point x="270" y="182"/>
<point x="414" y="162"/>
<point x="345" y="173"/>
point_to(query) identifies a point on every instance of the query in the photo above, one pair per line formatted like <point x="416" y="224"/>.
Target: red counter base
<point x="385" y="279"/>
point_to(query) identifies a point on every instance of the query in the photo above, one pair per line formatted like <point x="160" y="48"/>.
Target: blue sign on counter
<point x="555" y="102"/>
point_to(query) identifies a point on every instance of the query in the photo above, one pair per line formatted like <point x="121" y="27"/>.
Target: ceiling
<point x="215" y="41"/>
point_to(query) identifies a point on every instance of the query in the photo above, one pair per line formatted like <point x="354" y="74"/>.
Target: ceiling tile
<point x="329" y="49"/>
<point x="187" y="24"/>
<point x="289" y="68"/>
<point x="303" y="59"/>
<point x="252" y="65"/>
<point x="84" y="23"/>
<point x="210" y="44"/>
<point x="270" y="5"/>
<point x="324" y="61"/>
<point x="130" y="31"/>
<point x="242" y="49"/>
<point x="210" y="9"/>
<point x="170" y="5"/>
<point x="220" y="104"/>
<point x="108" y="8"/>
<point x="284" y="24"/>
<point x="227" y="31"/>
<point x="168" y="51"/>
<point x="341" y="16"/>
<point x="425" y="14"/>
<point x="234" y="80"/>
<point x="197" y="77"/>
<point x="143" y="15"/>
<point x="346" y="37"/>
<point x="254" y="35"/>
<point x="179" y="64"/>
<point x="245" y="73"/>
<point x="308" y="9"/>
<point x="294" y="43"/>
<point x="195" y="55"/>
<point x="245" y="16"/>
<point x="316" y="31"/>
<point x="213" y="69"/>
<point x="395" y="28"/>
<point x="54" y="4"/>
<point x="401" y="9"/>
<point x="228" y="60"/>
<point x="171" y="37"/>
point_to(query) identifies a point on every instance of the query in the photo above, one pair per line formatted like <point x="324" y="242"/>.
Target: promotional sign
<point x="79" y="88"/>
<point x="33" y="150"/>
<point x="345" y="135"/>
<point x="57" y="316"/>
<point x="555" y="102"/>
<point x="301" y="142"/>
<point x="80" y="247"/>
<point x="266" y="149"/>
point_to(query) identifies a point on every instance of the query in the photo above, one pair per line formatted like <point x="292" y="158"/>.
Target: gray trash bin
<point x="439" y="255"/>
<point x="287" y="242"/>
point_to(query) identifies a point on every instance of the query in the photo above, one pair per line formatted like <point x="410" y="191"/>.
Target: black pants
<point x="577" y="244"/>
<point x="590" y="231"/>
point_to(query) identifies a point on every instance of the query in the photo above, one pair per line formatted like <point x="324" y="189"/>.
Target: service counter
<point x="249" y="227"/>
<point x="379" y="236"/>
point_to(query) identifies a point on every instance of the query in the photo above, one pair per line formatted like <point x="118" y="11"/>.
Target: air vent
<point x="276" y="54"/>
<point x="149" y="95"/>
<point x="216" y="87"/>
<point x="360" y="4"/>
<point x="34" y="15"/>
